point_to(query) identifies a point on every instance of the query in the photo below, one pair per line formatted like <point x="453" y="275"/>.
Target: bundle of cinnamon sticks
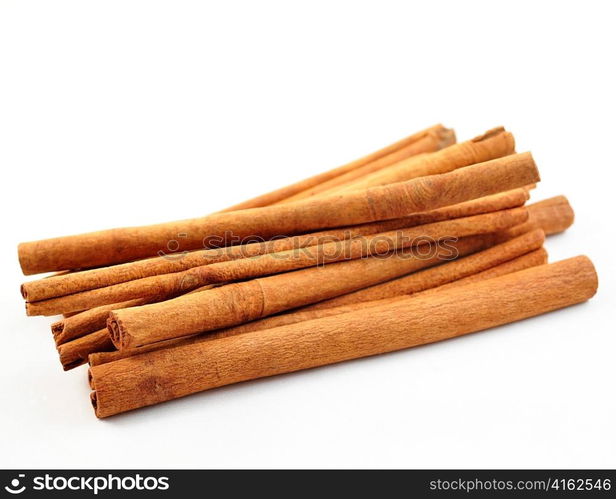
<point x="423" y="240"/>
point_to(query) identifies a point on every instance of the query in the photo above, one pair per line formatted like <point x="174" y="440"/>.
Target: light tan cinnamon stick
<point x="245" y="301"/>
<point x="75" y="282"/>
<point x="493" y="144"/>
<point x="531" y="259"/>
<point x="378" y="203"/>
<point x="428" y="140"/>
<point x="441" y="274"/>
<point x="166" y="374"/>
<point x="166" y="286"/>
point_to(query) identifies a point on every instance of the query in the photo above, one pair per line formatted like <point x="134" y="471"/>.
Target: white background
<point x="123" y="113"/>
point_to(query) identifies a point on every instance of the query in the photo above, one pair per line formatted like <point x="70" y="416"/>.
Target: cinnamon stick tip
<point x="57" y="328"/>
<point x="567" y="210"/>
<point x="94" y="402"/>
<point x="68" y="358"/>
<point x="90" y="379"/>
<point x="490" y="133"/>
<point x="447" y="137"/>
<point x="543" y="253"/>
<point x="118" y="336"/>
<point x="585" y="266"/>
<point x="23" y="255"/>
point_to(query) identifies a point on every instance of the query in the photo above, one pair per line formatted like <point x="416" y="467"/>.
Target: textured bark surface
<point x="553" y="215"/>
<point x="532" y="259"/>
<point x="165" y="286"/>
<point x="493" y="144"/>
<point x="166" y="374"/>
<point x="441" y="274"/>
<point x="75" y="282"/>
<point x="87" y="322"/>
<point x="76" y="352"/>
<point x="237" y="303"/>
<point x="369" y="205"/>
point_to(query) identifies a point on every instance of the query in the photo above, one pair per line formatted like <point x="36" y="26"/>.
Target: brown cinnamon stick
<point x="75" y="282"/>
<point x="377" y="203"/>
<point x="441" y="274"/>
<point x="166" y="374"/>
<point x="428" y="140"/>
<point x="88" y="334"/>
<point x="553" y="215"/>
<point x="493" y="144"/>
<point x="245" y="301"/>
<point x="87" y="322"/>
<point x="166" y="286"/>
<point x="531" y="259"/>
<point x="75" y="353"/>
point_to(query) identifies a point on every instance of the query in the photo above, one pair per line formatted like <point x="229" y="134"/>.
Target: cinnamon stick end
<point x="24" y="255"/>
<point x="447" y="137"/>
<point x="57" y="328"/>
<point x="90" y="378"/>
<point x="119" y="337"/>
<point x="593" y="277"/>
<point x="94" y="402"/>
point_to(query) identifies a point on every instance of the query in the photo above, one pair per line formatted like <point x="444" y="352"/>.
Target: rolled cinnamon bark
<point x="532" y="259"/>
<point x="166" y="286"/>
<point x="441" y="274"/>
<point x="75" y="353"/>
<point x="374" y="204"/>
<point x="167" y="374"/>
<point x="89" y="334"/>
<point x="493" y="144"/>
<point x="527" y="260"/>
<point x="87" y="322"/>
<point x="75" y="282"/>
<point x="428" y="140"/>
<point x="553" y="215"/>
<point x="250" y="300"/>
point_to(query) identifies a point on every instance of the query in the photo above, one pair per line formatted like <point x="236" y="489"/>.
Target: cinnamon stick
<point x="441" y="274"/>
<point x="553" y="215"/>
<point x="250" y="300"/>
<point x="531" y="259"/>
<point x="166" y="286"/>
<point x="377" y="203"/>
<point x="428" y="140"/>
<point x="87" y="322"/>
<point x="75" y="353"/>
<point x="75" y="282"/>
<point x="493" y="144"/>
<point x="88" y="334"/>
<point x="167" y="374"/>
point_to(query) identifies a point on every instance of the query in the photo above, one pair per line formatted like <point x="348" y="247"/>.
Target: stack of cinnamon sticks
<point x="423" y="240"/>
